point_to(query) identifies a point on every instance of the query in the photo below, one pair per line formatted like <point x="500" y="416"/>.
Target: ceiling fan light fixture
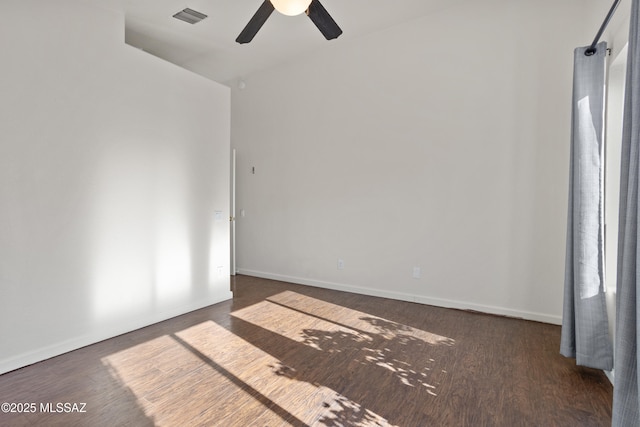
<point x="291" y="7"/>
<point x="189" y="15"/>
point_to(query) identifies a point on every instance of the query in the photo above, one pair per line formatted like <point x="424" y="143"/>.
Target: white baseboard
<point x="47" y="352"/>
<point x="401" y="296"/>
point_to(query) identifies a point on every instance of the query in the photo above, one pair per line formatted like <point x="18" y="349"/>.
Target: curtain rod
<point x="592" y="49"/>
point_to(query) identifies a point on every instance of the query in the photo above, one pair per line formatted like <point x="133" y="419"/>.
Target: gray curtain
<point x="585" y="329"/>
<point x="626" y="410"/>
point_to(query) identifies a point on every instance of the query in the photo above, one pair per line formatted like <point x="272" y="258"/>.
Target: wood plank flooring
<point x="280" y="354"/>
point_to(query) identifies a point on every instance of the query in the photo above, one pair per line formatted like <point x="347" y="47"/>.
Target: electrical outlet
<point x="417" y="272"/>
<point x="340" y="264"/>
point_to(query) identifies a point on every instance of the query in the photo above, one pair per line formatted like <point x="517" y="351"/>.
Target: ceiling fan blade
<point x="256" y="22"/>
<point x="323" y="20"/>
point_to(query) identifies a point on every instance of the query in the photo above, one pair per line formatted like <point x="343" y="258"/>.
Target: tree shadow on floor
<point x="365" y="369"/>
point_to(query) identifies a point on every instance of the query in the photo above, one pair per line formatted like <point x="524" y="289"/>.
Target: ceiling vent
<point x="189" y="15"/>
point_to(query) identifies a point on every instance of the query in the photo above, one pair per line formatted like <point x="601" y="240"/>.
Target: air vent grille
<point x="189" y="15"/>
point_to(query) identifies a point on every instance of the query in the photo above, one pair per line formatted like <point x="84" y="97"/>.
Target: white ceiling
<point x="209" y="47"/>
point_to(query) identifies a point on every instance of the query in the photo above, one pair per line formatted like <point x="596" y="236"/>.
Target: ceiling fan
<point x="314" y="10"/>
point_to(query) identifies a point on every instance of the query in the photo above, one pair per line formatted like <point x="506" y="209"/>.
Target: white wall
<point x="112" y="165"/>
<point x="442" y="144"/>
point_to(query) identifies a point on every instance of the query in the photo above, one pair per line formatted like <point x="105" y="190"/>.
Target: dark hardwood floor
<point x="283" y="354"/>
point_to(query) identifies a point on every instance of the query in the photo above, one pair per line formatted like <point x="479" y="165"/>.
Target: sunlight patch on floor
<point x="206" y="375"/>
<point x="292" y="324"/>
<point x="171" y="384"/>
<point x="309" y="403"/>
<point x="354" y="319"/>
<point x="331" y="328"/>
